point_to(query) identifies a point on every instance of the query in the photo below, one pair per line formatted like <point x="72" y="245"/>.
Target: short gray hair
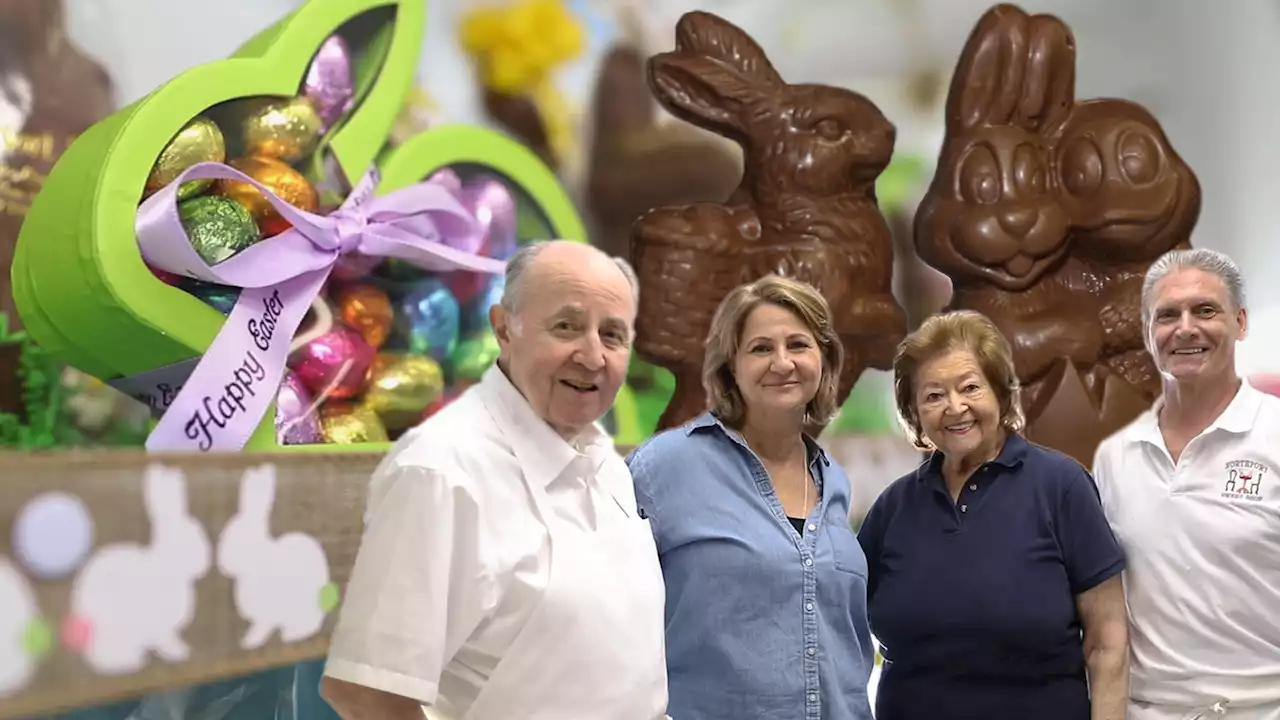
<point x="514" y="283"/>
<point x="1209" y="261"/>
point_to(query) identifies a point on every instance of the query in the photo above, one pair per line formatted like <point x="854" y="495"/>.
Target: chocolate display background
<point x="49" y="93"/>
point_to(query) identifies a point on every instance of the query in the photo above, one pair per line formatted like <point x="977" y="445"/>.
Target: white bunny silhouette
<point x="18" y="611"/>
<point x="133" y="599"/>
<point x="281" y="583"/>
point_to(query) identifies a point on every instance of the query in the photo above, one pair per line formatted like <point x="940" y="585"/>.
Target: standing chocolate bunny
<point x="806" y="207"/>
<point x="1046" y="213"/>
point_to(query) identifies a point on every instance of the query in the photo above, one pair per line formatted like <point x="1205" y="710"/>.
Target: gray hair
<point x="517" y="266"/>
<point x="1203" y="259"/>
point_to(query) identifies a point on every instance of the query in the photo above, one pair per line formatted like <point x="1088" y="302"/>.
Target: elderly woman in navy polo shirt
<point x="994" y="579"/>
<point x="766" y="583"/>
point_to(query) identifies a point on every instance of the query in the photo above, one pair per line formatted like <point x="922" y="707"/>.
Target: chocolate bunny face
<point x="1128" y="194"/>
<point x="992" y="213"/>
<point x="810" y="139"/>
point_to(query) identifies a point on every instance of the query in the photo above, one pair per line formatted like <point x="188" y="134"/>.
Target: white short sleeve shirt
<point x="1202" y="547"/>
<point x="454" y="557"/>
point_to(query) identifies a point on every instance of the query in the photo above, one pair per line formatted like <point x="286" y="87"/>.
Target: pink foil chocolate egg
<point x="297" y="420"/>
<point x="490" y="201"/>
<point x="164" y="276"/>
<point x="354" y="266"/>
<point x="334" y="365"/>
<point x="448" y="179"/>
<point x="328" y="84"/>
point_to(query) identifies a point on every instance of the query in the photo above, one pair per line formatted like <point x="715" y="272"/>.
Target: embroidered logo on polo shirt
<point x="1244" y="480"/>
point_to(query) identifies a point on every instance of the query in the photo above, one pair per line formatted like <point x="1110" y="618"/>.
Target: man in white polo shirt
<point x="504" y="572"/>
<point x="1192" y="490"/>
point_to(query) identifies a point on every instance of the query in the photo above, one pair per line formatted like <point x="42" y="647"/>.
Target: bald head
<point x="538" y="263"/>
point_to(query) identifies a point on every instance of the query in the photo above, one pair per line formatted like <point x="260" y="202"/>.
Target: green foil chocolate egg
<point x="473" y="356"/>
<point x="218" y="227"/>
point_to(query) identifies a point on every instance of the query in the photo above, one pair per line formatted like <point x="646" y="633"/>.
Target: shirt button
<point x="808" y="562"/>
<point x="813" y="697"/>
<point x="812" y="527"/>
<point x="811" y="652"/>
<point x="808" y="606"/>
<point x="964" y="508"/>
<point x="973" y="486"/>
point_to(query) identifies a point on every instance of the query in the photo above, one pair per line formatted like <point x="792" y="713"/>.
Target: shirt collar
<point x="1010" y="457"/>
<point x="1239" y="417"/>
<point x="542" y="453"/>
<point x="706" y="420"/>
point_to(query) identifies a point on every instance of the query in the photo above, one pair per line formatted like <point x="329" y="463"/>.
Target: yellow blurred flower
<point x="517" y="46"/>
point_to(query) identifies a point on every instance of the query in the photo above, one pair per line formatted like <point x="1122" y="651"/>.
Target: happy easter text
<point x="217" y="411"/>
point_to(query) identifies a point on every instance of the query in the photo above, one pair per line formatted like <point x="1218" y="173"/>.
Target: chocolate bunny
<point x="1131" y="198"/>
<point x="1045" y="213"/>
<point x="806" y="207"/>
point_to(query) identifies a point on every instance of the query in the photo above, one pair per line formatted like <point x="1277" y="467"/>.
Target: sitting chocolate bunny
<point x="1046" y="214"/>
<point x="806" y="207"/>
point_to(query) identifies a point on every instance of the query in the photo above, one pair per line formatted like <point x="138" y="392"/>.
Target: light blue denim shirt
<point x="763" y="623"/>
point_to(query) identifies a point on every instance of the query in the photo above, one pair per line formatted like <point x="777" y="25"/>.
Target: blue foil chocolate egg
<point x="428" y="320"/>
<point x="219" y="297"/>
<point x="475" y="313"/>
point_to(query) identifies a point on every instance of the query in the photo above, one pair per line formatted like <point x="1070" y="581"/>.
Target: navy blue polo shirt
<point x="973" y="602"/>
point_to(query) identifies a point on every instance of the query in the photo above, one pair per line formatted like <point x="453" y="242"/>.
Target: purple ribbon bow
<point x="235" y="381"/>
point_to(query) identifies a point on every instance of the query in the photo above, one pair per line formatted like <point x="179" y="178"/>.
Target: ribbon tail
<point x="237" y="379"/>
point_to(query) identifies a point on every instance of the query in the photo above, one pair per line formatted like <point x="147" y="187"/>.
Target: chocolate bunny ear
<point x="711" y="36"/>
<point x="715" y="71"/>
<point x="1016" y="69"/>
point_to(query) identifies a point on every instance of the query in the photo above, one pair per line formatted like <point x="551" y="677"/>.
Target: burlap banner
<point x="123" y="574"/>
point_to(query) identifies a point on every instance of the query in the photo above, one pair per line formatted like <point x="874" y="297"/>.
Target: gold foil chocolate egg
<point x="349" y="424"/>
<point x="401" y="389"/>
<point x="199" y="141"/>
<point x="288" y="184"/>
<point x="367" y="309"/>
<point x="282" y="129"/>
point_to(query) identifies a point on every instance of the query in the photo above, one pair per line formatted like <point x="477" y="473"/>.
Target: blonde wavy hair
<point x="724" y="400"/>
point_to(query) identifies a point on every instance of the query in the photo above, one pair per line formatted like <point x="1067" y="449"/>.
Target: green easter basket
<point x="80" y="283"/>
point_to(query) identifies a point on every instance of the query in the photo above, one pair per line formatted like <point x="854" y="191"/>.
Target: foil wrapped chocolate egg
<point x="494" y="208"/>
<point x="198" y="141"/>
<point x="475" y="313"/>
<point x="344" y="423"/>
<point x="219" y="297"/>
<point x="401" y="387"/>
<point x="448" y="179"/>
<point x="285" y="130"/>
<point x="473" y="356"/>
<point x="328" y="84"/>
<point x="218" y="227"/>
<point x="297" y="417"/>
<point x="336" y="364"/>
<point x="354" y="266"/>
<point x="288" y="184"/>
<point x="367" y="309"/>
<point x="428" y="320"/>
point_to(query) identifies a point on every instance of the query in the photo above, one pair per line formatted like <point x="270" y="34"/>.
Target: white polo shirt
<point x="1202" y="547"/>
<point x="454" y="557"/>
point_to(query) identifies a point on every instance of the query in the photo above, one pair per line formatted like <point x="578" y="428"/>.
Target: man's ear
<point x="501" y="321"/>
<point x="1242" y="316"/>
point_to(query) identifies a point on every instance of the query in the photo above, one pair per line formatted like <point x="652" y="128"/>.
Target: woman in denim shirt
<point x="766" y="583"/>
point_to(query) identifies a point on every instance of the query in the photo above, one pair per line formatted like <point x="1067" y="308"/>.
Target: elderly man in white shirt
<point x="1192" y="491"/>
<point x="504" y="573"/>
